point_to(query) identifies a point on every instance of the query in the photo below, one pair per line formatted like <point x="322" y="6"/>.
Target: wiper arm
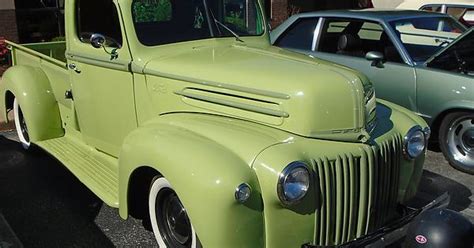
<point x="237" y="37"/>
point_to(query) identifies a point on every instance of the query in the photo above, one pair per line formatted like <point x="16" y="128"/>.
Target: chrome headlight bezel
<point x="283" y="177"/>
<point x="242" y="193"/>
<point x="414" y="131"/>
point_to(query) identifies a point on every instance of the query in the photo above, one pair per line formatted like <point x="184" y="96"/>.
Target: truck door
<point x="102" y="85"/>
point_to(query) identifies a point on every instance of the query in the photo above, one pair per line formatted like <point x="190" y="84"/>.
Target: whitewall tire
<point x="20" y="125"/>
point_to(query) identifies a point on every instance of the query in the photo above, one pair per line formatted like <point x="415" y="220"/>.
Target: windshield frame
<point x="391" y="24"/>
<point x="214" y="29"/>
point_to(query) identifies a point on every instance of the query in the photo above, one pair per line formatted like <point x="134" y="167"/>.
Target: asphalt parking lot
<point x="46" y="206"/>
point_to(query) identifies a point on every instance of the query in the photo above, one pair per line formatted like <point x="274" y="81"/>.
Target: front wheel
<point x="456" y="137"/>
<point x="169" y="219"/>
<point x="20" y="125"/>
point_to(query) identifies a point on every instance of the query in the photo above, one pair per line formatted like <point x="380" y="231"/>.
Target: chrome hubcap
<point x="177" y="221"/>
<point x="174" y="222"/>
<point x="461" y="141"/>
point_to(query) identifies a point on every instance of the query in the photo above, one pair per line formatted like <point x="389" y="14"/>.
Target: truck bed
<point x="52" y="52"/>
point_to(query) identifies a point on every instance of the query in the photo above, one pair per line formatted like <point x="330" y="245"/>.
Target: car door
<point x="102" y="85"/>
<point x="394" y="81"/>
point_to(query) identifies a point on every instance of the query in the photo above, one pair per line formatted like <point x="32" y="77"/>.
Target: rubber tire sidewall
<point x="443" y="144"/>
<point x="16" y="107"/>
<point x="158" y="184"/>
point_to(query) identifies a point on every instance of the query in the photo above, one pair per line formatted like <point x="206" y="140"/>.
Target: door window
<point x="299" y="35"/>
<point x="356" y="38"/>
<point x="432" y="8"/>
<point x="464" y="15"/>
<point x="101" y="17"/>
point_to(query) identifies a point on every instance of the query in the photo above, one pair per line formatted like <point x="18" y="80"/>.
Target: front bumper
<point x="392" y="232"/>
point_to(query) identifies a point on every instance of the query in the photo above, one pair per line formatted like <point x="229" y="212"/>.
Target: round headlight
<point x="293" y="183"/>
<point x="415" y="142"/>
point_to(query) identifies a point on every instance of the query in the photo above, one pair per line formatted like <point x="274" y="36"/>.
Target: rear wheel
<point x="20" y="125"/>
<point x="456" y="137"/>
<point x="169" y="219"/>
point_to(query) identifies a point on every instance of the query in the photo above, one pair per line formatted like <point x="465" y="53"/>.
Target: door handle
<point x="73" y="67"/>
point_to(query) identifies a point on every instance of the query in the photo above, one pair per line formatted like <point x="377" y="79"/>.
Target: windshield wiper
<point x="237" y="37"/>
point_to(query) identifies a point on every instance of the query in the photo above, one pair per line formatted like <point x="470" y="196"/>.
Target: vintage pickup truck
<point x="182" y="112"/>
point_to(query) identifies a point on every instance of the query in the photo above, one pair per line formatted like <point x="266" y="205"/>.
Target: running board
<point x="97" y="171"/>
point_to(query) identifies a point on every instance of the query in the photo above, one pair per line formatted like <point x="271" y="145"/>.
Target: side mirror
<point x="97" y="40"/>
<point x="377" y="59"/>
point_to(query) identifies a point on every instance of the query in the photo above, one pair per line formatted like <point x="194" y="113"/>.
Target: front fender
<point x="32" y="89"/>
<point x="205" y="175"/>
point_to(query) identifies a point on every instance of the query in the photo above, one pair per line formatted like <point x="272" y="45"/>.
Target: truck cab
<point x="181" y="111"/>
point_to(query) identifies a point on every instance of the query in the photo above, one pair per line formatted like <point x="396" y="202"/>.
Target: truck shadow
<point x="45" y="205"/>
<point x="433" y="185"/>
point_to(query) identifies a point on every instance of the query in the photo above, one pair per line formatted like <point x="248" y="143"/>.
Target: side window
<point x="431" y="8"/>
<point x="99" y="16"/>
<point x="464" y="15"/>
<point x="356" y="38"/>
<point x="299" y="35"/>
<point x="370" y="31"/>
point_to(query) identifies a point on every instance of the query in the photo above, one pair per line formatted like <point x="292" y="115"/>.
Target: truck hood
<point x="272" y="86"/>
<point x="458" y="52"/>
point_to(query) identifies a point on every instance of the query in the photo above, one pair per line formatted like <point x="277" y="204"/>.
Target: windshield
<point x="159" y="22"/>
<point x="423" y="37"/>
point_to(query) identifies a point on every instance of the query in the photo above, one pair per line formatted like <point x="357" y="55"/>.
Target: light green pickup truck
<point x="182" y="112"/>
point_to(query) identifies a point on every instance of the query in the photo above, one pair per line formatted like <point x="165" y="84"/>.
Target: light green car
<point x="183" y="112"/>
<point x="420" y="60"/>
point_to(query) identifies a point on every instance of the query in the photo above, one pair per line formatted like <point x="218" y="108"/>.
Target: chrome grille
<point x="357" y="191"/>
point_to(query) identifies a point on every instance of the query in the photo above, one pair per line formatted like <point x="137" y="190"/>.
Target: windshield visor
<point x="425" y="36"/>
<point x="159" y="22"/>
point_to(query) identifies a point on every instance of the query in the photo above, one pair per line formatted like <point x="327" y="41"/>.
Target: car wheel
<point x="20" y="125"/>
<point x="169" y="219"/>
<point x="456" y="139"/>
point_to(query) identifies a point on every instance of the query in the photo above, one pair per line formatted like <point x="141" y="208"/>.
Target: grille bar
<point x="357" y="192"/>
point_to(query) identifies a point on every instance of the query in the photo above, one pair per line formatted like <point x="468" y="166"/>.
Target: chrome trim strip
<point x="238" y="88"/>
<point x="232" y="104"/>
<point x="120" y="65"/>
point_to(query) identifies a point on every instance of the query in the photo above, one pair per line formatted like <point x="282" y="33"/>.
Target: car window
<point x="432" y="8"/>
<point x="299" y="35"/>
<point x="152" y="11"/>
<point x="370" y="31"/>
<point x="159" y="22"/>
<point x="464" y="15"/>
<point x="424" y="36"/>
<point x="356" y="38"/>
<point x="90" y="20"/>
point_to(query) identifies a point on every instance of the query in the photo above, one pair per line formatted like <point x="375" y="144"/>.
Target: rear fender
<point x="32" y="89"/>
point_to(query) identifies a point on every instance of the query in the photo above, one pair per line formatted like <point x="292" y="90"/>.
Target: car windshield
<point x="423" y="37"/>
<point x="159" y="22"/>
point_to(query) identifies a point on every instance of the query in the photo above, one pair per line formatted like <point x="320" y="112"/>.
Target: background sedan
<point x="420" y="60"/>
